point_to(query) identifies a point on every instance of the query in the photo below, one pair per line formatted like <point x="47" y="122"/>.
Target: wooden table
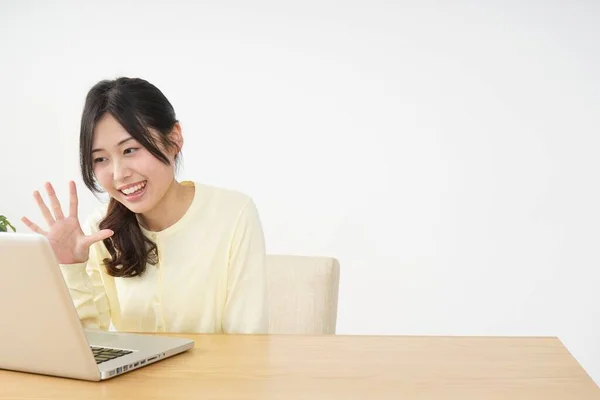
<point x="337" y="367"/>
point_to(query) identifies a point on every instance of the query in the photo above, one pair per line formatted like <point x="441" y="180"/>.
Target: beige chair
<point x="303" y="294"/>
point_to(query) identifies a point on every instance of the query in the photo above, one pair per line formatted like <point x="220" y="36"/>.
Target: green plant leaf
<point x="4" y="224"/>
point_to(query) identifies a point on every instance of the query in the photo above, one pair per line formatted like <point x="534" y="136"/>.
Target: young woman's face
<point x="126" y="170"/>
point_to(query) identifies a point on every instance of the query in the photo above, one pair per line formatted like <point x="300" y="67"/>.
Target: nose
<point x="121" y="171"/>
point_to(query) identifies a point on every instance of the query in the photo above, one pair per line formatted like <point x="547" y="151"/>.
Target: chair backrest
<point x="303" y="294"/>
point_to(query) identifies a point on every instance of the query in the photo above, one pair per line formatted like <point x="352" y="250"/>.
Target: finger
<point x="73" y="200"/>
<point x="54" y="203"/>
<point x="98" y="236"/>
<point x="33" y="226"/>
<point x="43" y="208"/>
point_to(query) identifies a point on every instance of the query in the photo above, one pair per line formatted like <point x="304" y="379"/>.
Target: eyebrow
<point x="118" y="144"/>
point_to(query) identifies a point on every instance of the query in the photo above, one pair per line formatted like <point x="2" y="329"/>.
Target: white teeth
<point x="134" y="189"/>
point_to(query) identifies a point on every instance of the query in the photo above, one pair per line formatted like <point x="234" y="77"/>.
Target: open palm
<point x="68" y="241"/>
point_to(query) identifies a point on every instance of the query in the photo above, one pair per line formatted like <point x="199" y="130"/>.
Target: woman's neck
<point x="170" y="209"/>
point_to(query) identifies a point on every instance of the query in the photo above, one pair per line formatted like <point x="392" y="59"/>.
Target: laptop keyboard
<point x="102" y="354"/>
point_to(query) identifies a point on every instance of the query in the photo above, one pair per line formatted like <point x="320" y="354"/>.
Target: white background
<point x="446" y="154"/>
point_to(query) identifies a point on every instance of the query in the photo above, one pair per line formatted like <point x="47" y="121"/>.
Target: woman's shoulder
<point x="220" y="198"/>
<point x="219" y="209"/>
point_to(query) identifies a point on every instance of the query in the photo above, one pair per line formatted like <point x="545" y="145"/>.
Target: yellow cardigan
<point x="210" y="277"/>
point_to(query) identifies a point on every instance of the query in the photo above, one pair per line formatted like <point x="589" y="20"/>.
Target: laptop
<point x="40" y="329"/>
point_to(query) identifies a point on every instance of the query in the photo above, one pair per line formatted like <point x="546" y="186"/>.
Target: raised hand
<point x="69" y="243"/>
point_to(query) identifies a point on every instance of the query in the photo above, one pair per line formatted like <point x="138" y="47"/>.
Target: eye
<point x="130" y="150"/>
<point x="99" y="160"/>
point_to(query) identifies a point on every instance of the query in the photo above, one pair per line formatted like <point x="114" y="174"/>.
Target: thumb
<point x="98" y="236"/>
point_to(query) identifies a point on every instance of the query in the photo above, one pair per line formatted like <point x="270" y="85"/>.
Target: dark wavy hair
<point x="138" y="106"/>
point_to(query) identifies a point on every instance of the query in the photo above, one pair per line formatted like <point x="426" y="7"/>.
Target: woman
<point x="162" y="255"/>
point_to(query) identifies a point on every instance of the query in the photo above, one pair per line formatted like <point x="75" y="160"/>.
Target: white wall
<point x="446" y="154"/>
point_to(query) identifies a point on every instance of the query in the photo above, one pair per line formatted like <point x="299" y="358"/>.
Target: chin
<point x="137" y="208"/>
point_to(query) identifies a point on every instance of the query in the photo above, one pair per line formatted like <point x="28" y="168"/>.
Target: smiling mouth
<point x="134" y="190"/>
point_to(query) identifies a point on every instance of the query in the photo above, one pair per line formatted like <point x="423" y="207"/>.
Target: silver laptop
<point x="41" y="331"/>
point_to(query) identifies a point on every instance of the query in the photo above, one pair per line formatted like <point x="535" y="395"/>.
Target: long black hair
<point x="138" y="106"/>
